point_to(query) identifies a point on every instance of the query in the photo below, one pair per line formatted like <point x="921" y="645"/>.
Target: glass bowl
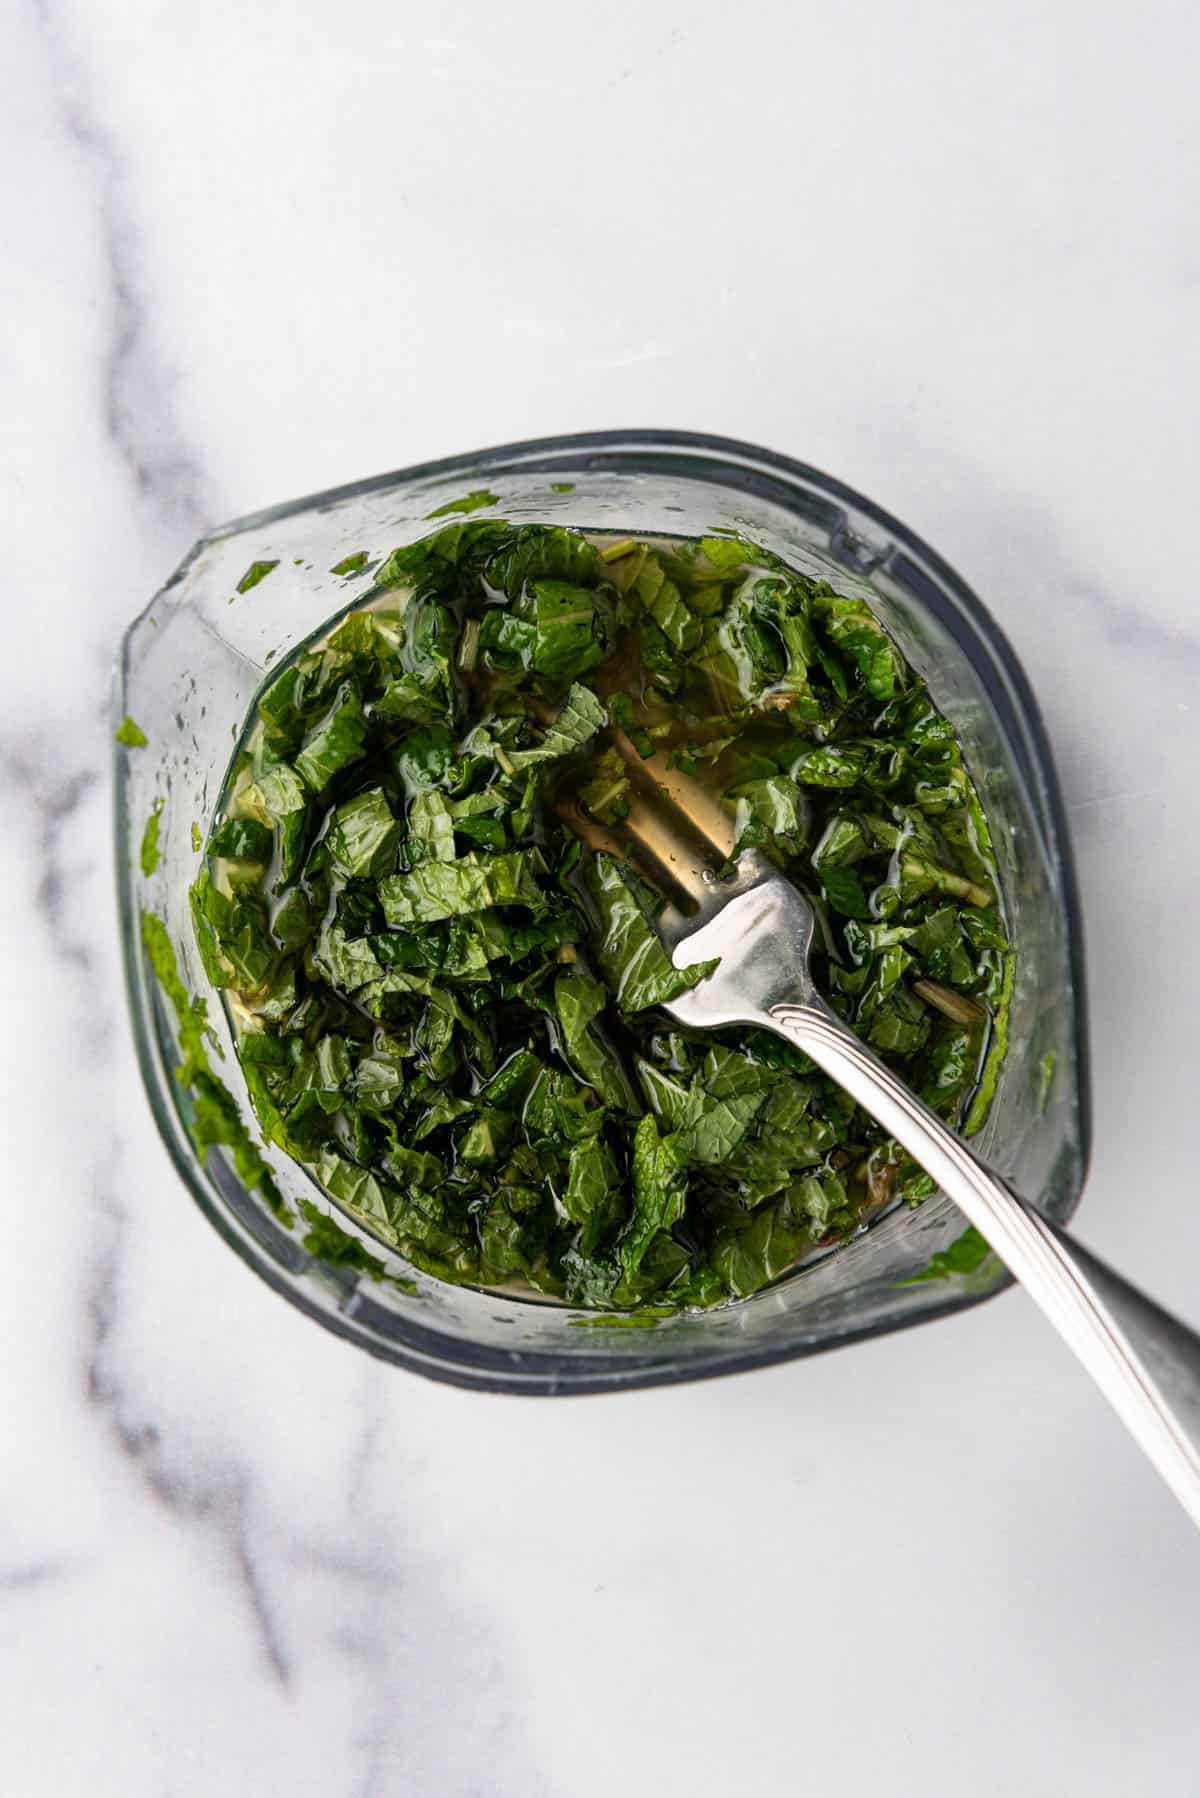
<point x="188" y="671"/>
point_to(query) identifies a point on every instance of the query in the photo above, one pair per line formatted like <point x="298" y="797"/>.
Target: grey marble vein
<point x="54" y="799"/>
<point x="32" y="1574"/>
<point x="216" y="1496"/>
<point x="1129" y="626"/>
<point x="408" y="1632"/>
<point x="333" y="1580"/>
<point x="1016" y="536"/>
<point x="138" y="406"/>
<point x="141" y="425"/>
<point x="55" y="802"/>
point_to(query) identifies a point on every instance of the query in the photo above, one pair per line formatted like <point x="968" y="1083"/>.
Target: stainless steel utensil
<point x="761" y="927"/>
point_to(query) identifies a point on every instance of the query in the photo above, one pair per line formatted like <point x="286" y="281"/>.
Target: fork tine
<point x="674" y="827"/>
<point x="668" y="850"/>
<point x="682" y="860"/>
<point x="703" y="812"/>
<point x="670" y="855"/>
<point x="598" y="837"/>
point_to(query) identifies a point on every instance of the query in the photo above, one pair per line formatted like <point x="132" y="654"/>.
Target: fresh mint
<point x="448" y="970"/>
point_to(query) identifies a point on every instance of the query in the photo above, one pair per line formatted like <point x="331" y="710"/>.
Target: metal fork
<point x="761" y="927"/>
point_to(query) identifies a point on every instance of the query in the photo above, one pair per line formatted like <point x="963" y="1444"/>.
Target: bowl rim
<point x="751" y="469"/>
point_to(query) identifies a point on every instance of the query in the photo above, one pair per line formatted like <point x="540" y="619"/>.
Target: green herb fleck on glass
<point x="562" y="486"/>
<point x="470" y="502"/>
<point x="197" y="837"/>
<point x="131" y="734"/>
<point x="1046" y="1069"/>
<point x="191" y="1015"/>
<point x="965" y="1255"/>
<point x="257" y="571"/>
<point x="352" y="564"/>
<point x="623" y="1320"/>
<point x="151" y="854"/>
<point x="337" y="1248"/>
<point x="216" y="1119"/>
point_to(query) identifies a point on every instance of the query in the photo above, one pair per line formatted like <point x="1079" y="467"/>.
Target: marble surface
<point x="948" y="252"/>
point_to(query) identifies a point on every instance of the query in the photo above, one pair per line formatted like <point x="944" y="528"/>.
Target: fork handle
<point x="1145" y="1361"/>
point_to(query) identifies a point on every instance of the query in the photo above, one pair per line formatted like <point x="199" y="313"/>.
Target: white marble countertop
<point x="948" y="252"/>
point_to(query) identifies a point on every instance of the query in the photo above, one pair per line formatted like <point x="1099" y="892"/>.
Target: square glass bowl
<point x="189" y="669"/>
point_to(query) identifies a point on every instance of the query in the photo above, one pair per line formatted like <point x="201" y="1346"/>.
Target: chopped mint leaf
<point x="242" y="839"/>
<point x="555" y="629"/>
<point x="336" y="741"/>
<point x="473" y="883"/>
<point x="628" y="949"/>
<point x="582" y="715"/>
<point x="364" y="836"/>
<point x="843" y="889"/>
<point x="659" y="1187"/>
